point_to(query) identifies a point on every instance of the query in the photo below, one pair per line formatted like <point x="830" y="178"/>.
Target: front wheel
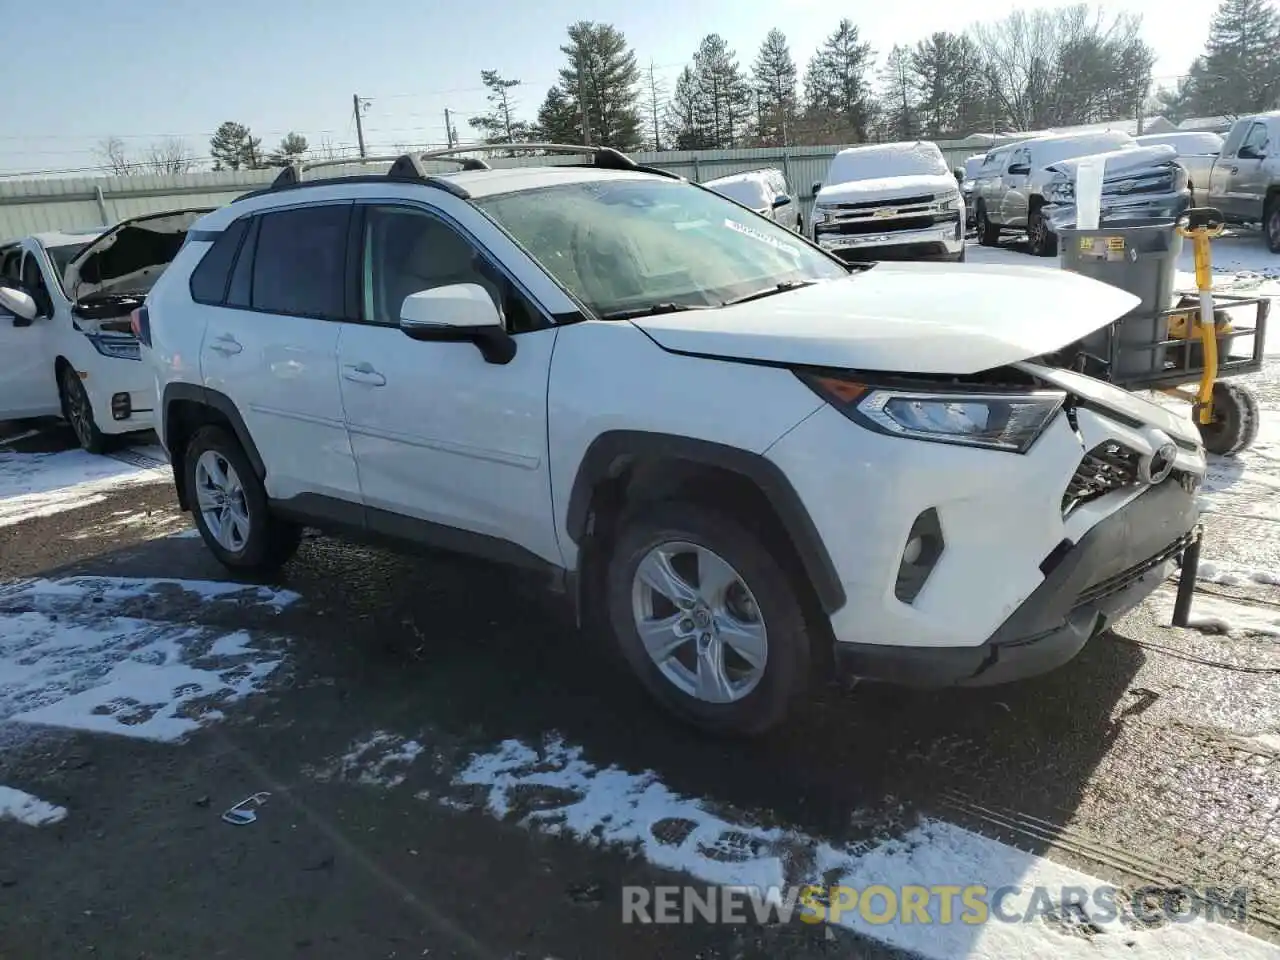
<point x="78" y="409"/>
<point x="1040" y="239"/>
<point x="988" y="233"/>
<point x="707" y="619"/>
<point x="1236" y="419"/>
<point x="1271" y="223"/>
<point x="231" y="509"/>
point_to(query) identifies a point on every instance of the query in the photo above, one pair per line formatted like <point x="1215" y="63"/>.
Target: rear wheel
<point x="988" y="233"/>
<point x="707" y="619"/>
<point x="1236" y="419"/>
<point x="231" y="509"/>
<point x="78" y="409"/>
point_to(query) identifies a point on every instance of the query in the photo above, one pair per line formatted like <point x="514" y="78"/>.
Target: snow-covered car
<point x="727" y="448"/>
<point x="1138" y="183"/>
<point x="762" y="191"/>
<point x="890" y="201"/>
<point x="65" y="303"/>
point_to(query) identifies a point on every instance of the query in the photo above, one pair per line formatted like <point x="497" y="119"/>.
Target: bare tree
<point x="170" y="155"/>
<point x="112" y="153"/>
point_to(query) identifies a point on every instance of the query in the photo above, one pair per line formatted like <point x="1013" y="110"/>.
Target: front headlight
<point x="821" y="214"/>
<point x="996" y="421"/>
<point x="1061" y="191"/>
<point x="118" y="348"/>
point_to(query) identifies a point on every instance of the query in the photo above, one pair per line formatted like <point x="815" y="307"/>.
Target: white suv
<point x="738" y="449"/>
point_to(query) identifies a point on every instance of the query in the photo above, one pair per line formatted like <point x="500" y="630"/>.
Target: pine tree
<point x="837" y="95"/>
<point x="499" y="125"/>
<point x="602" y="70"/>
<point x="951" y="86"/>
<point x="234" y="147"/>
<point x="558" y="119"/>
<point x="774" y="77"/>
<point x="685" y="116"/>
<point x="292" y="147"/>
<point x="724" y="95"/>
<point x="1239" y="71"/>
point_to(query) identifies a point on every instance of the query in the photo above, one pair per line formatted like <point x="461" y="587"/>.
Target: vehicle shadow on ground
<point x="425" y="646"/>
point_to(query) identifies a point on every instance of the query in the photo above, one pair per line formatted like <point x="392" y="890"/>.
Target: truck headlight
<point x="996" y="421"/>
<point x="821" y="214"/>
<point x="1060" y="191"/>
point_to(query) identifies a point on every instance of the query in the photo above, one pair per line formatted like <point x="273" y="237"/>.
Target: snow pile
<point x="378" y="760"/>
<point x="882" y="160"/>
<point x="69" y="660"/>
<point x="24" y="808"/>
<point x="41" y="484"/>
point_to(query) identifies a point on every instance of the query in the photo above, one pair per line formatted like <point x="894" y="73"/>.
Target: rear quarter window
<point x="210" y="277"/>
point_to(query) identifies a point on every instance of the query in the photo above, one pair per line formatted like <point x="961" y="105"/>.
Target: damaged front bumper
<point x="1088" y="585"/>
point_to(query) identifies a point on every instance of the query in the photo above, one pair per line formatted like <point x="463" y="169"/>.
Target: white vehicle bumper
<point x="936" y="241"/>
<point x="123" y="395"/>
<point x="1016" y="589"/>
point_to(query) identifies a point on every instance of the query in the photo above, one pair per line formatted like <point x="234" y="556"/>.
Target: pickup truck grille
<point x="1107" y="467"/>
<point x="872" y="204"/>
<point x="886" y="224"/>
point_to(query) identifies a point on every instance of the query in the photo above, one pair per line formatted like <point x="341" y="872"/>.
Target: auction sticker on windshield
<point x="762" y="237"/>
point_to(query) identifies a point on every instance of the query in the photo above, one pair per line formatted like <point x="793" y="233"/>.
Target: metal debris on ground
<point x="246" y="810"/>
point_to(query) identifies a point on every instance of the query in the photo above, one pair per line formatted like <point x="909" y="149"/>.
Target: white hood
<point x="904" y="318"/>
<point x="129" y="257"/>
<point x="1119" y="162"/>
<point x="887" y="188"/>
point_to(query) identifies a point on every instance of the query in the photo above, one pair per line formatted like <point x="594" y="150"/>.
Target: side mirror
<point x="817" y="185"/>
<point x="456" y="313"/>
<point x="782" y="200"/>
<point x="1019" y="169"/>
<point x="21" y="304"/>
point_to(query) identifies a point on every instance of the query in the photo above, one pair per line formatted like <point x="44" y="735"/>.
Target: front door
<point x="272" y="347"/>
<point x="28" y="386"/>
<point x="441" y="436"/>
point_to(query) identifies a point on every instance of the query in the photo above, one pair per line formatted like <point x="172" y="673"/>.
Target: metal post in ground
<point x="1187" y="581"/>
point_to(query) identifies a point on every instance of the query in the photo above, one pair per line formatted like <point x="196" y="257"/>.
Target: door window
<point x="299" y="265"/>
<point x="33" y="283"/>
<point x="407" y="251"/>
<point x="1254" y="146"/>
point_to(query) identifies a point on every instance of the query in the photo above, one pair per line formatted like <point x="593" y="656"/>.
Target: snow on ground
<point x="73" y="657"/>
<point x="40" y="484"/>
<point x="24" y="808"/>
<point x="552" y="788"/>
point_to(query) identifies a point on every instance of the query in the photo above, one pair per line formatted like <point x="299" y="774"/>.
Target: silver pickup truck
<point x="1196" y="150"/>
<point x="1244" y="181"/>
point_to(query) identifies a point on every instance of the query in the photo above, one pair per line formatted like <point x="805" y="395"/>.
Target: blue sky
<point x="145" y="69"/>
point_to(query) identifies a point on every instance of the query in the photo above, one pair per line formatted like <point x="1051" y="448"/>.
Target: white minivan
<point x="65" y="300"/>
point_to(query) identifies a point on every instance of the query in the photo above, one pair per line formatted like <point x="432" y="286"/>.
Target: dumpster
<point x="1140" y="257"/>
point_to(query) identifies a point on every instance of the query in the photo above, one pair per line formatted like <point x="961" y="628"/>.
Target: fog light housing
<point x="920" y="555"/>
<point x="121" y="406"/>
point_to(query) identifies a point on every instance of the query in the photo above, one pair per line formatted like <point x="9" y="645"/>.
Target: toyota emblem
<point x="1160" y="464"/>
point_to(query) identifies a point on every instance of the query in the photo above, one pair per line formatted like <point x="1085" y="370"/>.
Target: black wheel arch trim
<point x="220" y="402"/>
<point x="614" y="450"/>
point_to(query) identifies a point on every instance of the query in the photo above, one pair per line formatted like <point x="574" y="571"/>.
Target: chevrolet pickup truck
<point x="1244" y="181"/>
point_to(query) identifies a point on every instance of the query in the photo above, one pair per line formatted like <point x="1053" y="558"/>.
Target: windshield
<point x="887" y="160"/>
<point x="62" y="255"/>
<point x="622" y="245"/>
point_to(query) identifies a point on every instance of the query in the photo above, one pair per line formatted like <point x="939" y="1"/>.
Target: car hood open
<point x="129" y="257"/>
<point x="903" y="318"/>
<point x="887" y="188"/>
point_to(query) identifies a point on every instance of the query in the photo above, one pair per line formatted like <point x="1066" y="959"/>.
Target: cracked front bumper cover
<point x="1087" y="587"/>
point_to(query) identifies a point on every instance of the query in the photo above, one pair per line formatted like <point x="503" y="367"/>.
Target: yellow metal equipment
<point x="1200" y="231"/>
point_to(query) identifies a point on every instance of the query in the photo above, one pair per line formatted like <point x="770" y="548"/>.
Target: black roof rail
<point x="605" y="158"/>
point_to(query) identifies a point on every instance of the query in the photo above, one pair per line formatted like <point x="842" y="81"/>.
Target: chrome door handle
<point x="226" y="344"/>
<point x="1235" y="169"/>
<point x="363" y="373"/>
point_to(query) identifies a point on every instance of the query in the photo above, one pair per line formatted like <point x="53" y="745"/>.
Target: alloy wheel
<point x="699" y="622"/>
<point x="78" y="410"/>
<point x="221" y="501"/>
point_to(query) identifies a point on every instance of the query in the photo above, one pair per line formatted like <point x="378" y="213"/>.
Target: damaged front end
<point x="111" y="276"/>
<point x="1137" y="184"/>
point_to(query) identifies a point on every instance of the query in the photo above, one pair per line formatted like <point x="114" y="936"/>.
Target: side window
<point x="1255" y="142"/>
<point x="407" y="251"/>
<point x="33" y="282"/>
<point x="212" y="274"/>
<point x="240" y="287"/>
<point x="299" y="262"/>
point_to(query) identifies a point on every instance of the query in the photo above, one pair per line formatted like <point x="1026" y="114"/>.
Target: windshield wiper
<point x="653" y="310"/>
<point x="782" y="287"/>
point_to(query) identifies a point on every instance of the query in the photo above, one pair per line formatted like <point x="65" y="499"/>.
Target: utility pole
<point x="653" y="98"/>
<point x="582" y="103"/>
<point x="448" y="127"/>
<point x="355" y="105"/>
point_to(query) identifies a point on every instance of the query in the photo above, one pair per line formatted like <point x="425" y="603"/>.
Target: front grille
<point x="869" y="204"/>
<point x="1107" y="467"/>
<point x="886" y="224"/>
<point x="1113" y="585"/>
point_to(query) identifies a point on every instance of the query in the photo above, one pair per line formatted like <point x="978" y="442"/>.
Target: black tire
<point x="786" y="669"/>
<point x="1041" y="241"/>
<point x="1271" y="223"/>
<point x="988" y="232"/>
<point x="1236" y="419"/>
<point x="78" y="410"/>
<point x="271" y="542"/>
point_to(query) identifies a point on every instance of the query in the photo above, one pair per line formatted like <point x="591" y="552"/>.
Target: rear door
<point x="28" y="387"/>
<point x="271" y="346"/>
